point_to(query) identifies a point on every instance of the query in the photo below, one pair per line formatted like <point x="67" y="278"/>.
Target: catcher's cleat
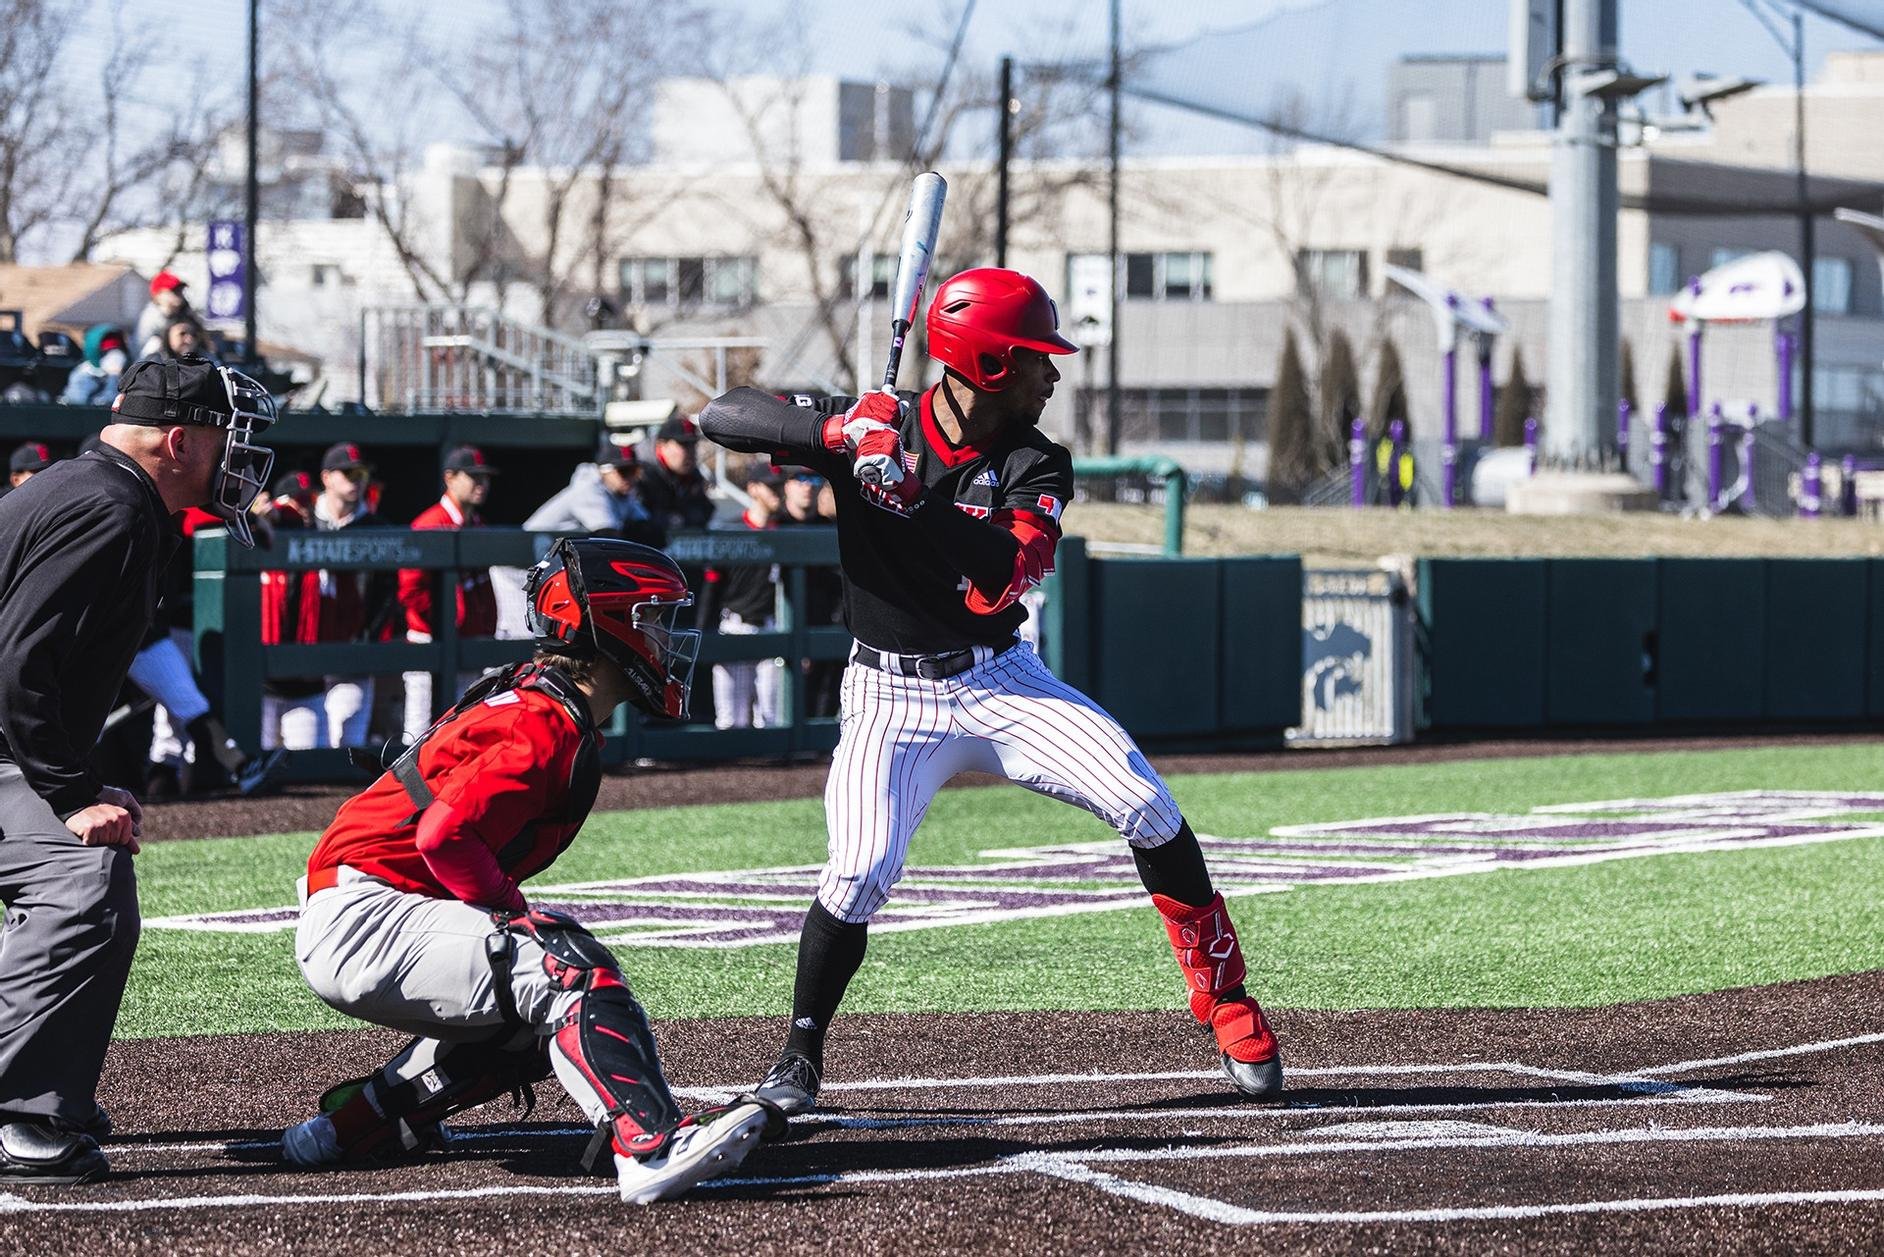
<point x="792" y="1084"/>
<point x="1251" y="1058"/>
<point x="705" y="1146"/>
<point x="312" y="1144"/>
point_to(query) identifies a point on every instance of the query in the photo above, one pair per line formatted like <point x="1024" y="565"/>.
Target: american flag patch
<point x="1051" y="506"/>
<point x="909" y="460"/>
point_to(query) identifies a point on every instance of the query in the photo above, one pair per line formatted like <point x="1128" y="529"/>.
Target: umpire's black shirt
<point x="82" y="547"/>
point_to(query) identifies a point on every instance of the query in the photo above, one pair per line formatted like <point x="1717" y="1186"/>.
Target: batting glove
<point x="874" y="413"/>
<point x="883" y="473"/>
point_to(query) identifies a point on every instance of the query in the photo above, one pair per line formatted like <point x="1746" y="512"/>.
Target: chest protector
<point x="585" y="775"/>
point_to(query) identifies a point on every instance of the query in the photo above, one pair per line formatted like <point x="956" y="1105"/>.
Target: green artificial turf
<point x="1585" y="935"/>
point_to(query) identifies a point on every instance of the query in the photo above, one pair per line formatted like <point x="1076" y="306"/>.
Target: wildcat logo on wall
<point x="748" y="907"/>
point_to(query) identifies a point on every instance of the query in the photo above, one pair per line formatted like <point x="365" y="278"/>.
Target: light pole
<point x="252" y="188"/>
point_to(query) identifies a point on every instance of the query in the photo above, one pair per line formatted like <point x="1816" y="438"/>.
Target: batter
<point x="949" y="506"/>
<point x="412" y="914"/>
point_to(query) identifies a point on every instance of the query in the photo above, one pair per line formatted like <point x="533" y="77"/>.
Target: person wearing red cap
<point x="467" y="483"/>
<point x="167" y="301"/>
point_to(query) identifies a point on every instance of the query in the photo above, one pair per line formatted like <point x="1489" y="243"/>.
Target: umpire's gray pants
<point x="71" y="928"/>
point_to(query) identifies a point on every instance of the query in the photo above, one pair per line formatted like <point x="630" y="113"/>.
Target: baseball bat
<point x="920" y="226"/>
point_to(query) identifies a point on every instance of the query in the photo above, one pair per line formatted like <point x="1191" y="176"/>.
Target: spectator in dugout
<point x="741" y="599"/>
<point x="293" y="714"/>
<point x="800" y="497"/>
<point x="672" y="489"/>
<point x="467" y="484"/>
<point x="167" y="301"/>
<point x="94" y="382"/>
<point x="27" y="461"/>
<point x="182" y="337"/>
<point x="341" y="605"/>
<point x="601" y="498"/>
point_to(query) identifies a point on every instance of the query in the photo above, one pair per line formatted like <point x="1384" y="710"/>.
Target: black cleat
<point x="792" y="1084"/>
<point x="257" y="776"/>
<point x="38" y="1152"/>
<point x="1259" y="1080"/>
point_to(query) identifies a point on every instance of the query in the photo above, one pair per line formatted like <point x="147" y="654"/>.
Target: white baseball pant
<point x="902" y="738"/>
<point x="336" y="718"/>
<point x="418" y="965"/>
<point x="418" y="715"/>
<point x="162" y="670"/>
<point x="745" y="695"/>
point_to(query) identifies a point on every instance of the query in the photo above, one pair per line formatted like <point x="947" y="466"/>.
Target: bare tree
<point x="37" y="148"/>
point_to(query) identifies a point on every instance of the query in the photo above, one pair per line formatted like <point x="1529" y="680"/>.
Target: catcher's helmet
<point x="980" y="317"/>
<point x="618" y="599"/>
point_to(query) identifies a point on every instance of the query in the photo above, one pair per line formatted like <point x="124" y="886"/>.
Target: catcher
<point x="412" y="916"/>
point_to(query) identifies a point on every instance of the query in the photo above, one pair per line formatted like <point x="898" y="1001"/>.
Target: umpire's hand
<point x="116" y="820"/>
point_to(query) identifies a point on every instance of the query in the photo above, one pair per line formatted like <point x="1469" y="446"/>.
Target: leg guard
<point x="602" y="1047"/>
<point x="1204" y="942"/>
<point x="398" y="1108"/>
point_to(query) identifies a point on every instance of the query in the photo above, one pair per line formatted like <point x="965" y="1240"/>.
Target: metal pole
<point x="1112" y="246"/>
<point x="1622" y="433"/>
<point x="1716" y="458"/>
<point x="1585" y="316"/>
<point x="1487" y="421"/>
<point x="1006" y="152"/>
<point x="1695" y="406"/>
<point x="1783" y="342"/>
<point x="252" y="190"/>
<point x="1658" y="451"/>
<point x="1807" y="242"/>
<point x="1357" y="463"/>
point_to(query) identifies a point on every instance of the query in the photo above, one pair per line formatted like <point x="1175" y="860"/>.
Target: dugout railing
<point x="235" y="664"/>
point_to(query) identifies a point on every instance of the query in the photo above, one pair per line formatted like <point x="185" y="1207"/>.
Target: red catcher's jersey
<point x="505" y="766"/>
<point x="477" y="601"/>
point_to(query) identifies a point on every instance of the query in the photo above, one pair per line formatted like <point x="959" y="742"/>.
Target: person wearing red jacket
<point x="467" y="484"/>
<point x="413" y="915"/>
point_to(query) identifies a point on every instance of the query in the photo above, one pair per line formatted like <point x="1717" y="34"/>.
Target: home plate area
<point x="1733" y="1120"/>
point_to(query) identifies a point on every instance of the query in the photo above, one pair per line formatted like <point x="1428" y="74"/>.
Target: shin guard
<point x="604" y="1054"/>
<point x="398" y="1108"/>
<point x="1204" y="942"/>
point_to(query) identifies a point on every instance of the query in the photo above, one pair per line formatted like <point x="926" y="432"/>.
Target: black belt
<point x="928" y="667"/>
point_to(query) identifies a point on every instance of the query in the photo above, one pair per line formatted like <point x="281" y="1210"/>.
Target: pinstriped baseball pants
<point x="902" y="739"/>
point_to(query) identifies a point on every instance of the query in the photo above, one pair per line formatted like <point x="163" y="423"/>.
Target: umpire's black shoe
<point x="792" y="1084"/>
<point x="38" y="1152"/>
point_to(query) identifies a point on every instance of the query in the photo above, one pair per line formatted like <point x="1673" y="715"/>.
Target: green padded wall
<point x="1817" y="613"/>
<point x="1156" y="626"/>
<point x="1600" y="622"/>
<point x="1261" y="661"/>
<point x="1484" y="621"/>
<point x="1712" y="640"/>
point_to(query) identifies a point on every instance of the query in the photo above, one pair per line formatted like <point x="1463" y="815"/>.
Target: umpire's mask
<point x="163" y="391"/>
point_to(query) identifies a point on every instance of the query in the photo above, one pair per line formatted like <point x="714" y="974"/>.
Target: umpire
<point x="83" y="546"/>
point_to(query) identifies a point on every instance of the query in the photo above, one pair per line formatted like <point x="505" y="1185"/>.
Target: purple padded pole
<point x="1783" y="343"/>
<point x="1716" y="468"/>
<point x="1449" y="449"/>
<point x="1357" y="463"/>
<point x="1811" y="488"/>
<point x="1530" y="443"/>
<point x="1396" y="434"/>
<point x="1848" y="489"/>
<point x="1486" y="424"/>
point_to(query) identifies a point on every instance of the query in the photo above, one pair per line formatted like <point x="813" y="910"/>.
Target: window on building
<point x="1191" y="415"/>
<point x="1339" y="273"/>
<point x="687" y="282"/>
<point x="1411" y="259"/>
<point x="1664" y="269"/>
<point x="1831" y="286"/>
<point x="1153" y="276"/>
<point x="882" y="275"/>
<point x="1725" y="254"/>
<point x="321" y="274"/>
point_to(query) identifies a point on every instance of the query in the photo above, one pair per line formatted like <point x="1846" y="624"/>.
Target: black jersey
<point x="906" y="580"/>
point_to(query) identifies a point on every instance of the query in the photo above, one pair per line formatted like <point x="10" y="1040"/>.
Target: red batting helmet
<point x="980" y="317"/>
<point x="592" y="595"/>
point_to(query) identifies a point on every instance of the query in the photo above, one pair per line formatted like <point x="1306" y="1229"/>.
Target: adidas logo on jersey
<point x="986" y="477"/>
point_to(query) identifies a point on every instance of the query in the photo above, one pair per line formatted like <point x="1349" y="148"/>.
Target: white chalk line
<point x="1765" y="1054"/>
<point x="1166" y="1117"/>
<point x="1076" y="1166"/>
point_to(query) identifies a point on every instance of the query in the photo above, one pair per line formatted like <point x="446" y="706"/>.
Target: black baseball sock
<point x="1175" y="869"/>
<point x="829" y="954"/>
